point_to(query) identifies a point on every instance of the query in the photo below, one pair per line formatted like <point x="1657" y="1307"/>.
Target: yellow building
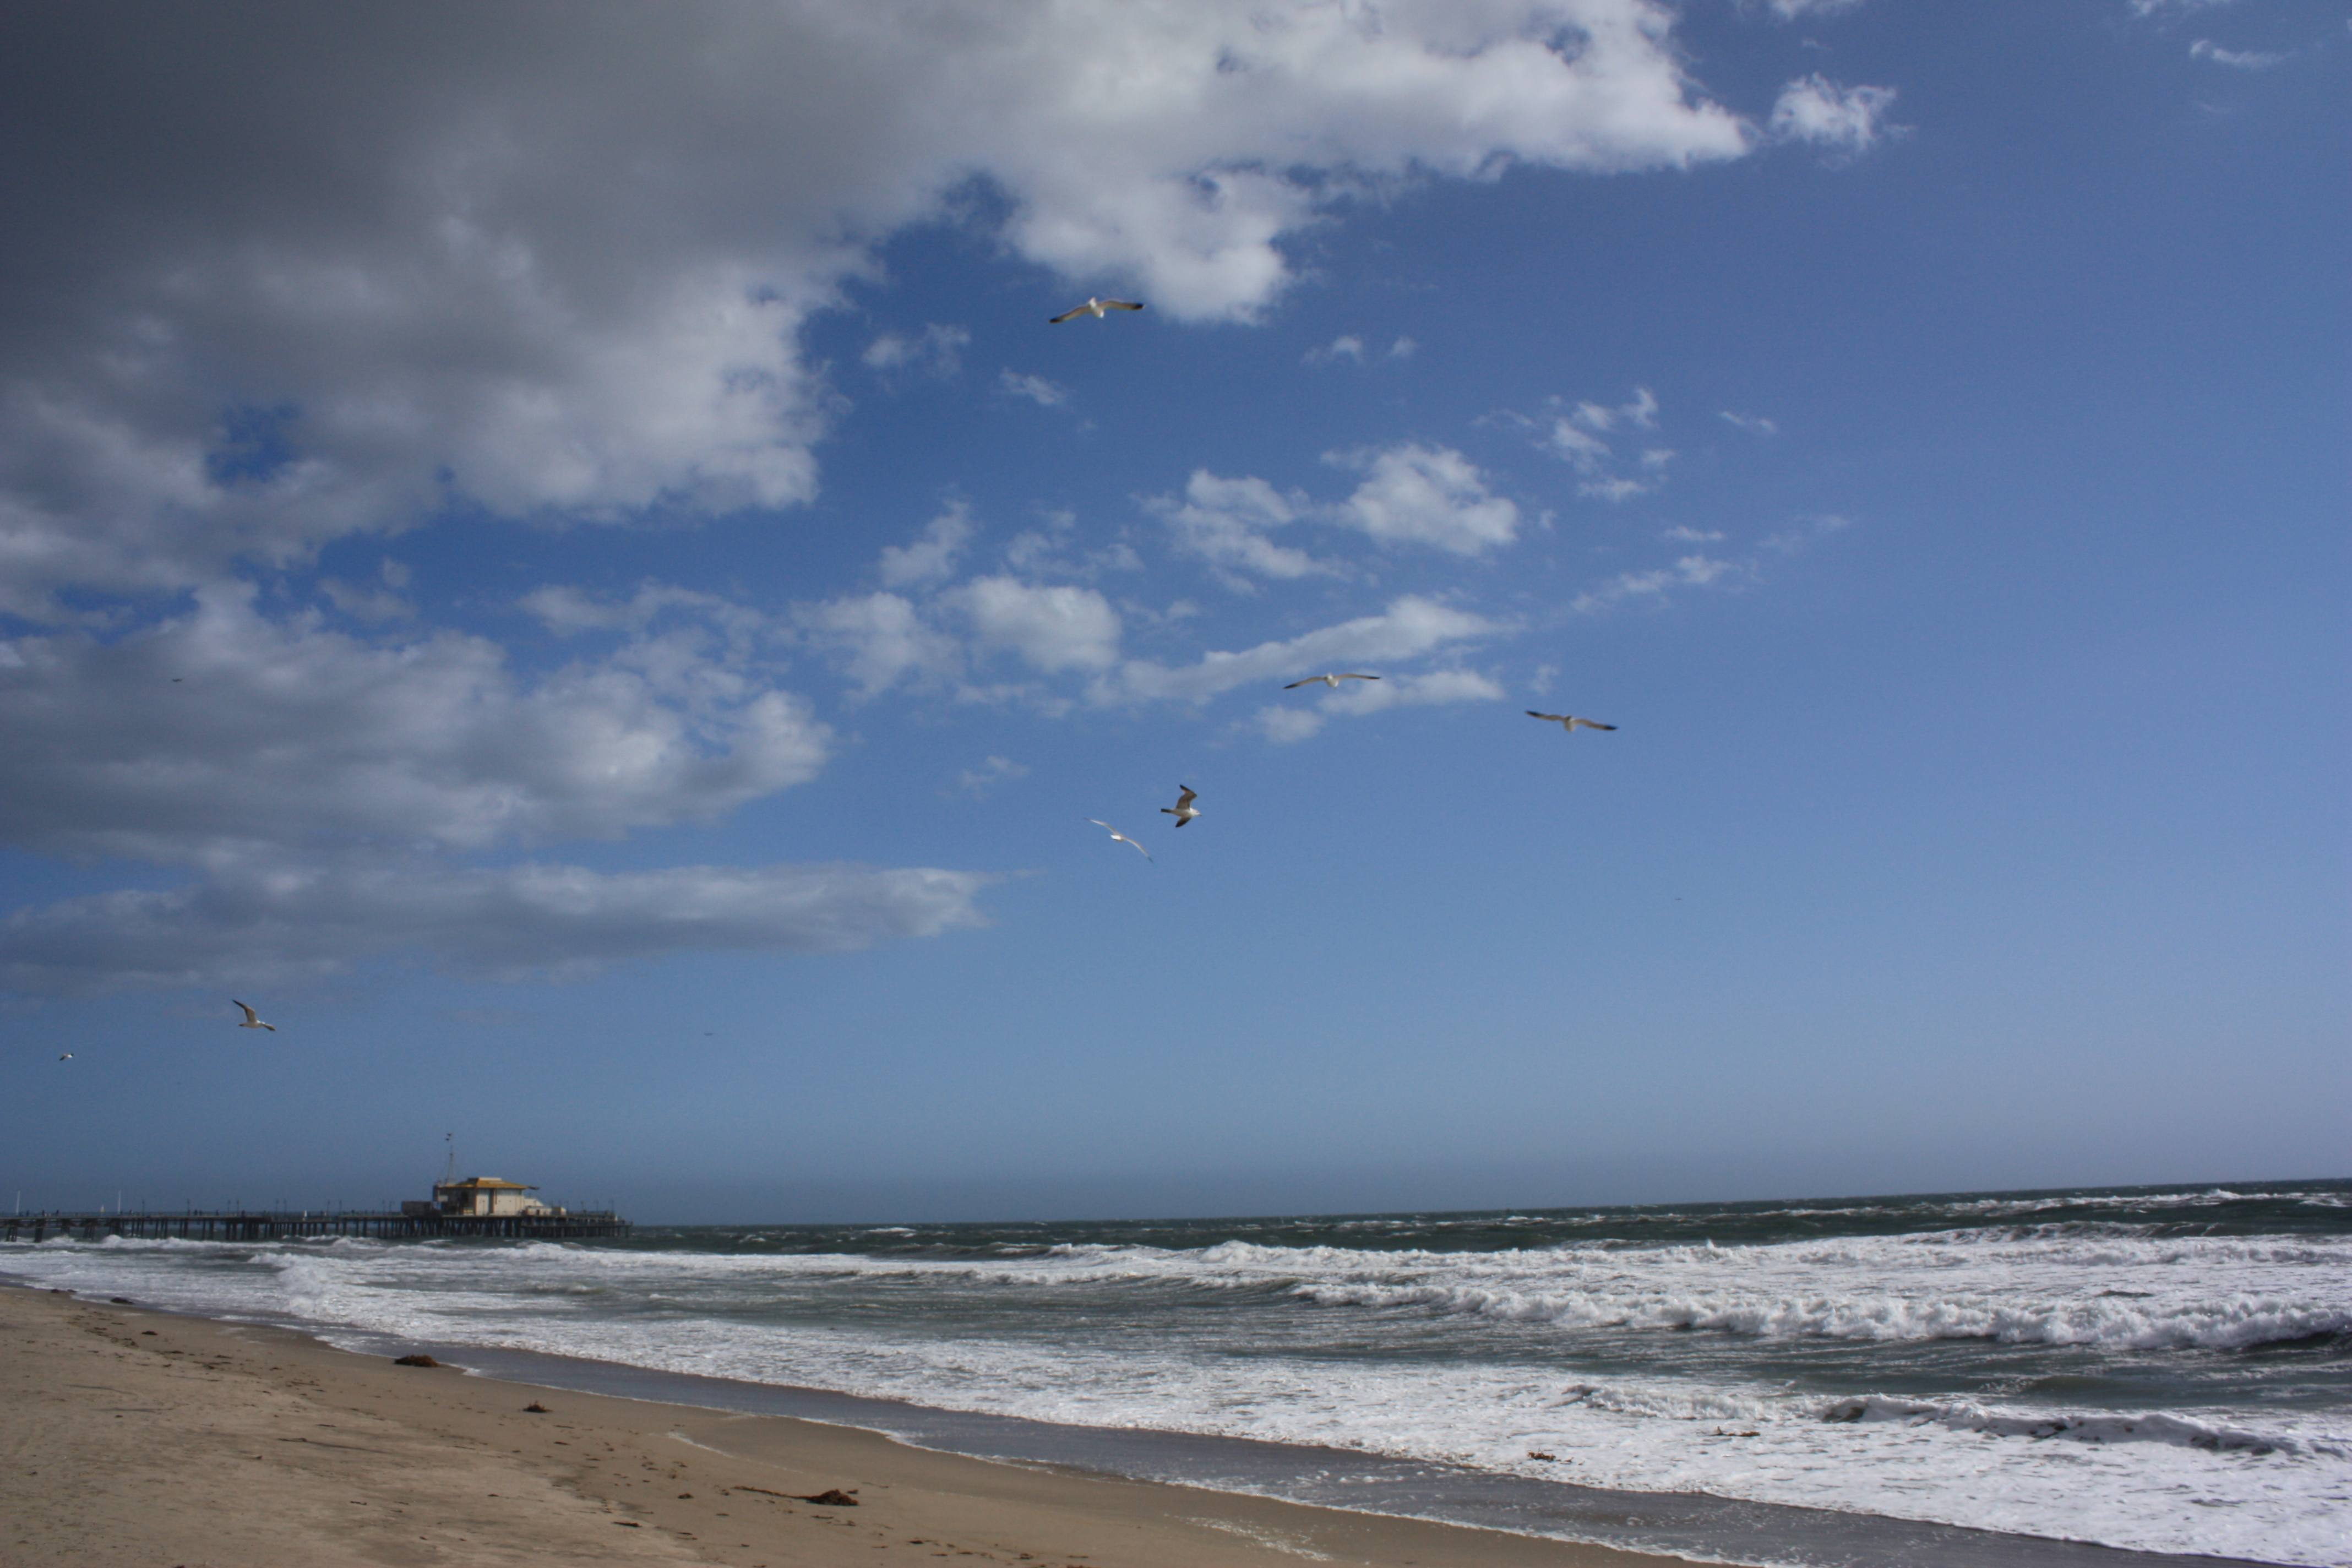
<point x="487" y="1195"/>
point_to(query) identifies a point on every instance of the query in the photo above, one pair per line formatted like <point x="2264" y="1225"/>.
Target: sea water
<point x="2159" y="1370"/>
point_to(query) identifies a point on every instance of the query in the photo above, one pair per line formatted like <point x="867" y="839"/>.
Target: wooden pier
<point x="309" y="1225"/>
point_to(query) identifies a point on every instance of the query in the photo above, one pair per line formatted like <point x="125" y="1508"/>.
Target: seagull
<point x="67" y="1057"/>
<point x="1122" y="837"/>
<point x="1331" y="680"/>
<point x="1095" y="307"/>
<point x="252" y="1018"/>
<point x="1183" y="811"/>
<point x="1567" y="721"/>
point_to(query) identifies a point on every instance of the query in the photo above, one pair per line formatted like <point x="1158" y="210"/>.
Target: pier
<point x="312" y="1224"/>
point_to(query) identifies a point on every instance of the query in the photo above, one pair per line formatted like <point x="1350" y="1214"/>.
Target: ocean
<point x="1807" y="1383"/>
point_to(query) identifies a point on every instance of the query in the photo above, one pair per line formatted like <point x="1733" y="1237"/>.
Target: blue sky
<point x="559" y="558"/>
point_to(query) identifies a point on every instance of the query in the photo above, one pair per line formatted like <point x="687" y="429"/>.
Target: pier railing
<point x="293" y="1225"/>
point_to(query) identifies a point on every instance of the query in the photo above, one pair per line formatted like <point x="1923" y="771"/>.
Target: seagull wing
<point x="1119" y="304"/>
<point x="251" y="1017"/>
<point x="1352" y="676"/>
<point x="1188" y="797"/>
<point x="1297" y="684"/>
<point x="1065" y="315"/>
<point x="1595" y="724"/>
<point x="1550" y="717"/>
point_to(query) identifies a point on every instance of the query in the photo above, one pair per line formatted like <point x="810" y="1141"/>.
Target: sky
<point x="553" y="550"/>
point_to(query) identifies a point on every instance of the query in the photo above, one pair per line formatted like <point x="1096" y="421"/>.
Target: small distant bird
<point x="252" y="1018"/>
<point x="67" y="1057"/>
<point x="1122" y="837"/>
<point x="1331" y="680"/>
<point x="1567" y="721"/>
<point x="1095" y="307"/>
<point x="1183" y="811"/>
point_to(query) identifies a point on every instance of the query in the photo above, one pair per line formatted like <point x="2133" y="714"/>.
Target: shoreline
<point x="139" y="1434"/>
<point x="1031" y="1489"/>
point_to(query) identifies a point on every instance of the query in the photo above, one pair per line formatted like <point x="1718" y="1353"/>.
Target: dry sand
<point x="136" y="1437"/>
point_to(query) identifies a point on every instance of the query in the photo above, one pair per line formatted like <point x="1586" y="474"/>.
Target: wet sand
<point x="129" y="1437"/>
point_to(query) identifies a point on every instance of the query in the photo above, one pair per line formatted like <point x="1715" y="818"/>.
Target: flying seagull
<point x="1331" y="680"/>
<point x="252" y="1018"/>
<point x="67" y="1057"/>
<point x="1568" y="722"/>
<point x="1122" y="837"/>
<point x="1095" y="307"/>
<point x="1183" y="811"/>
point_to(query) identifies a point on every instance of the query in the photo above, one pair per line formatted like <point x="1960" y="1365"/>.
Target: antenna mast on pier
<point x="451" y="1139"/>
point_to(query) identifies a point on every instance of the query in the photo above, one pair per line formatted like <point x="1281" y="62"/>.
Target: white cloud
<point x="1036" y="388"/>
<point x="1347" y="345"/>
<point x="1752" y="422"/>
<point x="502" y="283"/>
<point x="1403" y="348"/>
<point x="1847" y="121"/>
<point x="932" y="557"/>
<point x="1409" y="627"/>
<point x="220" y="736"/>
<point x="1684" y="534"/>
<point x="1580" y="448"/>
<point x="995" y="771"/>
<point x="281" y="926"/>
<point x="2145" y="8"/>
<point x="1790" y="10"/>
<point x="1225" y="523"/>
<point x="1286" y="722"/>
<point x="880" y="640"/>
<point x="369" y="605"/>
<point x="1791" y="541"/>
<point x="2242" y="60"/>
<point x="566" y="611"/>
<point x="1690" y="570"/>
<point x="1424" y="495"/>
<point x="1575" y="438"/>
<point x="1052" y="628"/>
<point x="935" y="351"/>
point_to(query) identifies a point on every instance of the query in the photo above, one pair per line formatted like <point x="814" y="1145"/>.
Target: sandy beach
<point x="133" y="1437"/>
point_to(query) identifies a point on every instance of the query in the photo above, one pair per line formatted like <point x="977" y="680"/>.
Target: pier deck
<point x="268" y="1225"/>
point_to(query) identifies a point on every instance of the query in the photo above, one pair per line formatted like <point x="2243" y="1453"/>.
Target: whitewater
<point x="2159" y="1370"/>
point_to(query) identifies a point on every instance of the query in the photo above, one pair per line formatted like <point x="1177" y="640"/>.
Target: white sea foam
<point x="2253" y="1480"/>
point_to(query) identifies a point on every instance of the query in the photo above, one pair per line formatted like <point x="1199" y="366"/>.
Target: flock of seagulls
<point x="1184" y="811"/>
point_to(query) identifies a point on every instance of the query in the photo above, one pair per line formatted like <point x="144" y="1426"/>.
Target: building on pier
<point x="480" y="1197"/>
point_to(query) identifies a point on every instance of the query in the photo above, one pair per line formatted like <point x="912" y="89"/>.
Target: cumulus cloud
<point x="1844" y="120"/>
<point x="932" y="557"/>
<point x="1036" y="389"/>
<point x="220" y="735"/>
<point x="1052" y="628"/>
<point x="1424" y="495"/>
<point x="1575" y="438"/>
<point x="935" y="351"/>
<point x="1411" y="494"/>
<point x="1690" y="571"/>
<point x="499" y="282"/>
<point x="1752" y="422"/>
<point x="1410" y="627"/>
<point x="1225" y="523"/>
<point x="283" y="925"/>
<point x="2241" y="59"/>
<point x="1280" y="722"/>
<point x="1347" y="345"/>
<point x="1790" y="10"/>
<point x="994" y="771"/>
<point x="879" y="639"/>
